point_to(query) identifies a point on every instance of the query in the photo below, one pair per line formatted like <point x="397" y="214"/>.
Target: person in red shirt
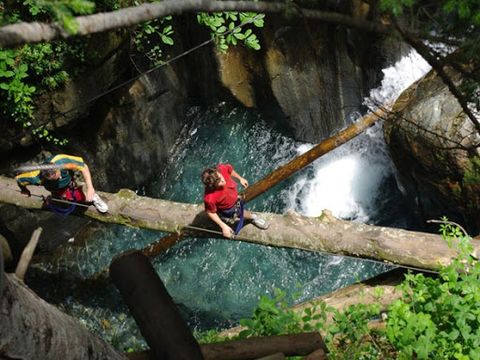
<point x="221" y="200"/>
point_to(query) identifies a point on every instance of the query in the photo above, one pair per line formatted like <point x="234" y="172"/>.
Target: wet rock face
<point x="127" y="140"/>
<point x="17" y="225"/>
<point x="431" y="142"/>
<point x="308" y="76"/>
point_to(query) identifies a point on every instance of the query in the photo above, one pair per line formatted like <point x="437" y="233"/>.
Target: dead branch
<point x="27" y="254"/>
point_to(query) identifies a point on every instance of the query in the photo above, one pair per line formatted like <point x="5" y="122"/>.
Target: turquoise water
<point x="216" y="282"/>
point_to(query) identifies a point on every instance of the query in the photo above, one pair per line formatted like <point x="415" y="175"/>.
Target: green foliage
<point x="272" y="317"/>
<point x="230" y="28"/>
<point x="149" y="36"/>
<point x="31" y="70"/>
<point x="63" y="11"/>
<point x="209" y="336"/>
<point x="465" y="9"/>
<point x="439" y="318"/>
<point x="44" y="65"/>
<point x="348" y="337"/>
<point x="472" y="175"/>
<point x="436" y="318"/>
<point x="395" y="6"/>
<point x="351" y="326"/>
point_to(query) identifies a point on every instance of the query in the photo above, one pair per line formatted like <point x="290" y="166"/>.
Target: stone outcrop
<point x="128" y="139"/>
<point x="431" y="141"/>
<point x="308" y="76"/>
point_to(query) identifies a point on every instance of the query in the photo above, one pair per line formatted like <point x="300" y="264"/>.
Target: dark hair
<point x="47" y="173"/>
<point x="210" y="177"/>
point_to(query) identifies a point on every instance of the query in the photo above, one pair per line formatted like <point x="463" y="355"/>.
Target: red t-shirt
<point x="224" y="197"/>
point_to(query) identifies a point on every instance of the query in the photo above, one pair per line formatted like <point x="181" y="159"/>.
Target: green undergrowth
<point x="436" y="317"/>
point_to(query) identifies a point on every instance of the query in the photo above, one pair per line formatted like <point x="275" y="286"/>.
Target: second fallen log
<point x="154" y="311"/>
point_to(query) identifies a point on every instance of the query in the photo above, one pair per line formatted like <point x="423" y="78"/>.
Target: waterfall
<point x="352" y="180"/>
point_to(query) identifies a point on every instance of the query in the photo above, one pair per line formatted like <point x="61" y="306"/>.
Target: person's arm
<point x="23" y="189"/>
<point x="25" y="179"/>
<point x="226" y="230"/>
<point x="242" y="180"/>
<point x="88" y="181"/>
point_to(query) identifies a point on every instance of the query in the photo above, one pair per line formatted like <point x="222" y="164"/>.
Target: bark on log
<point x="316" y="355"/>
<point x="303" y="160"/>
<point x="20" y="33"/>
<point x="277" y="356"/>
<point x="30" y="328"/>
<point x="397" y="246"/>
<point x="153" y="309"/>
<point x="252" y="348"/>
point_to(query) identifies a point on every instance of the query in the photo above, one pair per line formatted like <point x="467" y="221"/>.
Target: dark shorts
<point x="233" y="212"/>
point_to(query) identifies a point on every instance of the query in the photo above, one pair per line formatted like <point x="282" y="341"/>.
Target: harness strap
<point x="59" y="210"/>
<point x="68" y="193"/>
<point x="241" y="216"/>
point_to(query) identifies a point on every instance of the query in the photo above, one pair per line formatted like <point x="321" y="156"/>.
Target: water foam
<point x="349" y="180"/>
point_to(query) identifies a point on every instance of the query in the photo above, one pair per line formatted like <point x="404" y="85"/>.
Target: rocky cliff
<point x="434" y="146"/>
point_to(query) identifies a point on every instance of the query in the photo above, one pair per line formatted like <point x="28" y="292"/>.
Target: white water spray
<point x="348" y="181"/>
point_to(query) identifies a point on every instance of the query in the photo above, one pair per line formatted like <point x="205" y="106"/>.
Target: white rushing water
<point x="348" y="181"/>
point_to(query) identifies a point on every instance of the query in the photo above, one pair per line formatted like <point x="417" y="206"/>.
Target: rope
<point x="44" y="199"/>
<point x="28" y="168"/>
<point x="63" y="212"/>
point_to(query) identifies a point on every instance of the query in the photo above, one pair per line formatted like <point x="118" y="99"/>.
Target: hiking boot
<point x="99" y="204"/>
<point x="259" y="222"/>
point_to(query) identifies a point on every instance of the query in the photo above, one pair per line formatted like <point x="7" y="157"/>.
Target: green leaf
<point x="8" y="73"/>
<point x="23" y="68"/>
<point x="258" y="23"/>
<point x="167" y="40"/>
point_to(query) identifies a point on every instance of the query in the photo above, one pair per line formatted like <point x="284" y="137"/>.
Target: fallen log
<point x="27" y="254"/>
<point x="30" y="328"/>
<point x="291" y="230"/>
<point x="277" y="356"/>
<point x="153" y="309"/>
<point x="300" y="162"/>
<point x="255" y="347"/>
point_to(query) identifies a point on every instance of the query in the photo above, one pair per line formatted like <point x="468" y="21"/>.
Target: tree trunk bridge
<point x="290" y="230"/>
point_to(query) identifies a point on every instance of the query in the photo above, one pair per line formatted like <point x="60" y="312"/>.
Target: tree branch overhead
<point x="21" y="33"/>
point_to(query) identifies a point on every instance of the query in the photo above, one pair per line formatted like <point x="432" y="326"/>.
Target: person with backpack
<point x="59" y="180"/>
